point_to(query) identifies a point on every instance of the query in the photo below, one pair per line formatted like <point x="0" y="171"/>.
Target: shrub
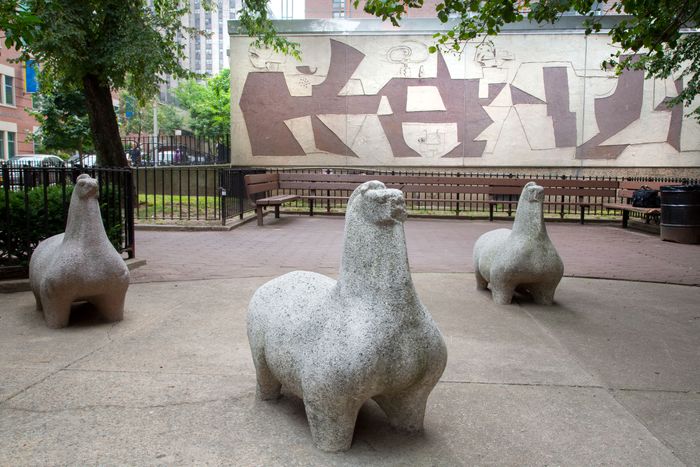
<point x="30" y="220"/>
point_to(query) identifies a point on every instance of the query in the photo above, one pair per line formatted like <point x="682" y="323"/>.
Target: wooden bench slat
<point x="261" y="178"/>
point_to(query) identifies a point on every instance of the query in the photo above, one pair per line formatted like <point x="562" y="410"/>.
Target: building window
<point x="338" y="8"/>
<point x="2" y="146"/>
<point x="8" y="90"/>
<point x="11" y="149"/>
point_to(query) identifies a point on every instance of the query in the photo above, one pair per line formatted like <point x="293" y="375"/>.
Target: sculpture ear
<point x="371" y="185"/>
<point x="82" y="177"/>
<point x="529" y="184"/>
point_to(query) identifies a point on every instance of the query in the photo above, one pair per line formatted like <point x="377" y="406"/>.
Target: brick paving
<point x="434" y="245"/>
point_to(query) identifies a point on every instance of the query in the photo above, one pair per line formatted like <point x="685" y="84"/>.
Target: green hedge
<point x="26" y="227"/>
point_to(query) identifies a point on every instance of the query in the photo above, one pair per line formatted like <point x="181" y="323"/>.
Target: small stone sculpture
<point x="523" y="258"/>
<point x="80" y="264"/>
<point x="337" y="344"/>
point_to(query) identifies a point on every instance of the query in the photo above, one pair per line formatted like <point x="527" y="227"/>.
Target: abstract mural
<point x="385" y="100"/>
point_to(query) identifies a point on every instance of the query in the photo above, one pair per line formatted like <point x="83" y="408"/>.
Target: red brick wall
<point x="17" y="114"/>
<point x="324" y="9"/>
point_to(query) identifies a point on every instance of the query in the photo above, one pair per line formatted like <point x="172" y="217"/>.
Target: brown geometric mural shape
<point x="676" y="125"/>
<point x="462" y="107"/>
<point x="613" y="114"/>
<point x="556" y="91"/>
<point x="521" y="97"/>
<point x="327" y="140"/>
<point x="266" y="103"/>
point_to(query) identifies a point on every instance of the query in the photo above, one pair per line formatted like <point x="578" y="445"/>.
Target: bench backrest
<point x="627" y="188"/>
<point x="260" y="183"/>
<point x="556" y="187"/>
<point x="447" y="184"/>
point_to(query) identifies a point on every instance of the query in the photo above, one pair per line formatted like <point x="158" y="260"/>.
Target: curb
<point x="193" y="228"/>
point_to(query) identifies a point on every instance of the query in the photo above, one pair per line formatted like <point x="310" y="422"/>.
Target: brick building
<point x="15" y="123"/>
<point x="345" y="9"/>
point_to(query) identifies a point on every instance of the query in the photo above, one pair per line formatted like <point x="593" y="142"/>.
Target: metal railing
<point x="217" y="194"/>
<point x="34" y="205"/>
<point x="190" y="193"/>
<point x="178" y="150"/>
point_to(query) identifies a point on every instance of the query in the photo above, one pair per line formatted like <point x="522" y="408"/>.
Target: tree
<point x="651" y="38"/>
<point x="170" y="119"/>
<point x="95" y="45"/>
<point x="209" y="105"/>
<point x="134" y="119"/>
<point x="64" y="121"/>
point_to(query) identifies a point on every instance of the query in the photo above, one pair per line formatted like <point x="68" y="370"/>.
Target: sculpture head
<point x="532" y="193"/>
<point x="85" y="187"/>
<point x="374" y="203"/>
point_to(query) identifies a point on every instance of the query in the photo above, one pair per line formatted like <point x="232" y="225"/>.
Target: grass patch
<point x="150" y="206"/>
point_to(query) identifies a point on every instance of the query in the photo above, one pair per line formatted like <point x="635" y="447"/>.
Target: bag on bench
<point x="645" y="197"/>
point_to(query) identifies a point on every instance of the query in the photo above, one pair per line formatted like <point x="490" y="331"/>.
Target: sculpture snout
<point x="86" y="186"/>
<point x="394" y="200"/>
<point x="533" y="193"/>
<point x="538" y="193"/>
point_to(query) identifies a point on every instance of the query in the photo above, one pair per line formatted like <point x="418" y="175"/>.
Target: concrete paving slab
<point x="525" y="385"/>
<point x="200" y="419"/>
<point x="102" y="418"/>
<point x="494" y="344"/>
<point x="204" y="332"/>
<point x="632" y="336"/>
<point x="671" y="416"/>
<point x="15" y="380"/>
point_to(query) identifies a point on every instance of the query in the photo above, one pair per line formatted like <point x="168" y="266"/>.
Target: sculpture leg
<point x="268" y="387"/>
<point x="37" y="297"/>
<point x="56" y="311"/>
<point x="481" y="283"/>
<point x="110" y="306"/>
<point x="543" y="294"/>
<point x="332" y="420"/>
<point x="405" y="410"/>
<point x="502" y="293"/>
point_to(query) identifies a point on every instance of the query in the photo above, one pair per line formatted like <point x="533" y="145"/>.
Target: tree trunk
<point x="103" y="123"/>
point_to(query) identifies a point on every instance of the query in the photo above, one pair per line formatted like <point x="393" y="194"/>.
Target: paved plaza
<point x="609" y="375"/>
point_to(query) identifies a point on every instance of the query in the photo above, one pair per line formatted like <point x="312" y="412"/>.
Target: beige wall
<point x="523" y="100"/>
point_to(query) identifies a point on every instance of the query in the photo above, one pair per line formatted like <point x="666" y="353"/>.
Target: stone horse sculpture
<point x="80" y="264"/>
<point x="337" y="344"/>
<point x="522" y="258"/>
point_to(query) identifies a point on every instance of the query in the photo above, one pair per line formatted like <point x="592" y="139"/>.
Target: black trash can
<point x="680" y="213"/>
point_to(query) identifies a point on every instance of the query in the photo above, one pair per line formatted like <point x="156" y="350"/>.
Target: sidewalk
<point x="608" y="375"/>
<point x="315" y="243"/>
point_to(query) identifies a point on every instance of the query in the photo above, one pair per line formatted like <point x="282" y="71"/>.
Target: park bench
<point x="422" y="191"/>
<point x="560" y="193"/>
<point x="255" y="184"/>
<point x="625" y="193"/>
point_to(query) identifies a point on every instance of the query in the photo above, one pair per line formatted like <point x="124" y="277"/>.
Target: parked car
<point x="88" y="160"/>
<point x="37" y="160"/>
<point x="16" y="164"/>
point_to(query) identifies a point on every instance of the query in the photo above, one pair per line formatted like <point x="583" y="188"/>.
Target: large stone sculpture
<point x="523" y="258"/>
<point x="80" y="264"/>
<point x="337" y="344"/>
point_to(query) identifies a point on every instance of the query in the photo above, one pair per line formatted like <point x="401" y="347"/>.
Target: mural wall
<point x="517" y="100"/>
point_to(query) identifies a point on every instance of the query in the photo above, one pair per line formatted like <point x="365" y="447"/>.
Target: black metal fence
<point x="462" y="204"/>
<point x="217" y="194"/>
<point x="178" y="150"/>
<point x="205" y="194"/>
<point x="34" y="205"/>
